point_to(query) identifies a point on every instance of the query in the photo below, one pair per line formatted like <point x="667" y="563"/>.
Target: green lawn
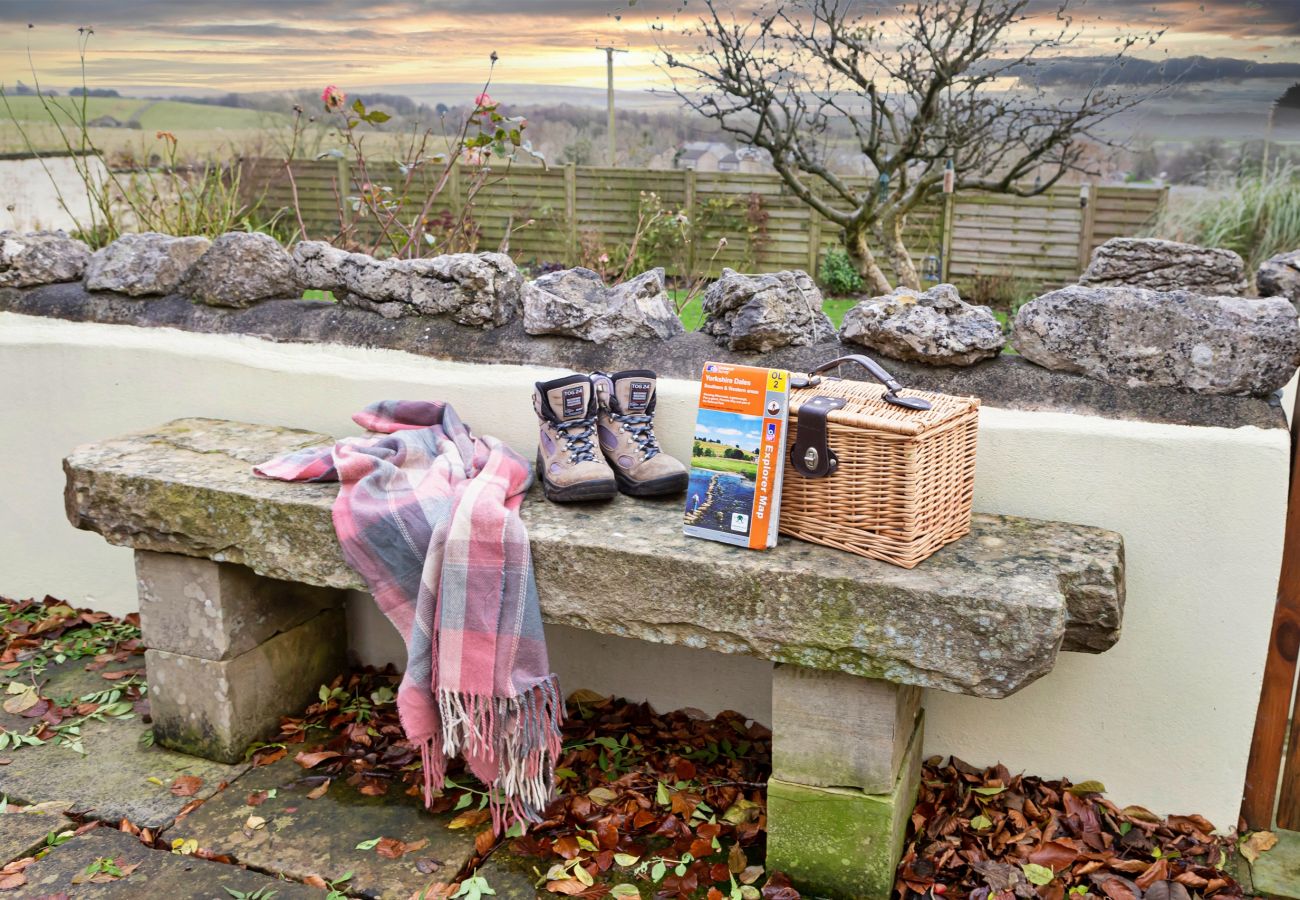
<point x="718" y="464"/>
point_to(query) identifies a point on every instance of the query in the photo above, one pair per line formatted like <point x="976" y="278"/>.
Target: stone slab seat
<point x="242" y="580"/>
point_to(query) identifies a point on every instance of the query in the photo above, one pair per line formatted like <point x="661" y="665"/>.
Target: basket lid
<point x="865" y="406"/>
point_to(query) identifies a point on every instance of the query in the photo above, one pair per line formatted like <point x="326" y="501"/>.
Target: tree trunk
<point x="859" y="250"/>
<point x="899" y="259"/>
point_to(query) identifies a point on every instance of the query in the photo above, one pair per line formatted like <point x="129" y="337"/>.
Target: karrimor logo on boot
<point x="574" y="401"/>
<point x="639" y="395"/>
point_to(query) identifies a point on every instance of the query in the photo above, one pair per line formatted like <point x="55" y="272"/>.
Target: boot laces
<point x="577" y="439"/>
<point x="641" y="428"/>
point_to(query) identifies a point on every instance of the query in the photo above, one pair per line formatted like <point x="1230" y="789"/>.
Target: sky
<point x="171" y="46"/>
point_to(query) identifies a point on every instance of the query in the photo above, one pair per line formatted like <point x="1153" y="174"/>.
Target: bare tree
<point x="934" y="83"/>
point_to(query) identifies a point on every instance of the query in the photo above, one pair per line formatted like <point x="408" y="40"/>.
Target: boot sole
<point x="574" y="493"/>
<point x="662" y="486"/>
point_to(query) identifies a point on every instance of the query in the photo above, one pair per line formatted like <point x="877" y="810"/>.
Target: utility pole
<point x="609" y="71"/>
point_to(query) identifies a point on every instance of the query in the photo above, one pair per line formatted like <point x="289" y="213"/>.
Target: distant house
<point x="714" y="156"/>
<point x="702" y="156"/>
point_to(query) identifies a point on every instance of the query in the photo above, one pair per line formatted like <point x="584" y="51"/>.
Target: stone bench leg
<point x="229" y="652"/>
<point x="846" y="763"/>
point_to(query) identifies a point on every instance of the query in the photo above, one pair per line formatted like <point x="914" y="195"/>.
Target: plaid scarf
<point x="428" y="515"/>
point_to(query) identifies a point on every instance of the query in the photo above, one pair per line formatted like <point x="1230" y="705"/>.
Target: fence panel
<point x="571" y="214"/>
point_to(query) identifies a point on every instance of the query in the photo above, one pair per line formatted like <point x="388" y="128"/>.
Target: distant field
<point x="151" y="114"/>
<point x="208" y="132"/>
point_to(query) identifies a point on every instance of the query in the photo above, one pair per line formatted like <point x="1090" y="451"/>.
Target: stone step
<point x="985" y="616"/>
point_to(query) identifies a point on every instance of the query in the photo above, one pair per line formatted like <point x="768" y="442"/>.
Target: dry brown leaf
<point x="483" y="841"/>
<point x="1256" y="843"/>
<point x="569" y="886"/>
<point x="186" y="785"/>
<point x="12" y="881"/>
<point x="390" y="848"/>
<point x="315" y="881"/>
<point x="736" y="860"/>
<point x="311" y="760"/>
<point x="319" y="791"/>
<point x="470" y="818"/>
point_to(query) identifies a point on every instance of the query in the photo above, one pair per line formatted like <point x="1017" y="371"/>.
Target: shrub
<point x="837" y="273"/>
<point x="1258" y="216"/>
<point x="1001" y="291"/>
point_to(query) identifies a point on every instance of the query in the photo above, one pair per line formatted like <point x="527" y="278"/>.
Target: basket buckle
<point x="810" y="455"/>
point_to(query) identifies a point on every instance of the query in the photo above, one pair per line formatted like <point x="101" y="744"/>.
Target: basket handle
<point x="877" y="372"/>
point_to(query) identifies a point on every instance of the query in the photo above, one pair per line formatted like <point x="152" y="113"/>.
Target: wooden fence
<point x="578" y="211"/>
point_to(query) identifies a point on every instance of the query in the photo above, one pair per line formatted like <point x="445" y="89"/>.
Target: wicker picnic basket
<point x="877" y="470"/>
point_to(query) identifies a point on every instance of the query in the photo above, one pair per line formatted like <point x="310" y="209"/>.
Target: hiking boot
<point x="567" y="460"/>
<point x="627" y="437"/>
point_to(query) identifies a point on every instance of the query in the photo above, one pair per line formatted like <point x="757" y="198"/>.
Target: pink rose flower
<point x="483" y="100"/>
<point x="333" y="98"/>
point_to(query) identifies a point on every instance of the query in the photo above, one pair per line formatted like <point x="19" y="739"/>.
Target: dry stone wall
<point x="1112" y="328"/>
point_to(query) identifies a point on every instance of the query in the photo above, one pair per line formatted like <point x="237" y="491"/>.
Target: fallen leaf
<point x="10" y="882"/>
<point x="253" y="823"/>
<point x="390" y="848"/>
<point x="311" y="760"/>
<point x="736" y="860"/>
<point x="316" y="881"/>
<point x="569" y="886"/>
<point x="1257" y="842"/>
<point x="256" y="798"/>
<point x="319" y="791"/>
<point x="21" y="702"/>
<point x="1087" y="787"/>
<point x="470" y="818"/>
<point x="186" y="785"/>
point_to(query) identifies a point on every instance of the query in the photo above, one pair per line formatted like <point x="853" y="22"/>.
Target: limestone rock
<point x="379" y="285"/>
<point x="239" y="269"/>
<point x="1166" y="266"/>
<point x="1279" y="276"/>
<point x="143" y="264"/>
<point x="984" y="616"/>
<point x="935" y="327"/>
<point x="318" y="265"/>
<point x="483" y="289"/>
<point x="576" y="302"/>
<point x="1132" y="336"/>
<point x="763" y="312"/>
<point x="40" y="257"/>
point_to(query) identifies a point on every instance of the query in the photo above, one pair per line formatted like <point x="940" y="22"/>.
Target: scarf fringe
<point x="520" y="735"/>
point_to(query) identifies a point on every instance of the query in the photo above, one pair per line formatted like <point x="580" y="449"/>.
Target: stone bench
<point x="242" y="583"/>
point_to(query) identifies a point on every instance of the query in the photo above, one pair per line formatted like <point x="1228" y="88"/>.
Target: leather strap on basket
<point x="811" y="456"/>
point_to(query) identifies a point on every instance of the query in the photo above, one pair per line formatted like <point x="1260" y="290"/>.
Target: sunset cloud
<point x="245" y="45"/>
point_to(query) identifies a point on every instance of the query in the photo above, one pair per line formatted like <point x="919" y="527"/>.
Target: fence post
<point x="945" y="239"/>
<point x="814" y="239"/>
<point x="689" y="209"/>
<point x="571" y="213"/>
<point x="1092" y="194"/>
<point x="344" y="178"/>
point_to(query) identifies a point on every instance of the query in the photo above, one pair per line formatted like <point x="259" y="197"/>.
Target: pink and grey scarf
<point x="428" y="515"/>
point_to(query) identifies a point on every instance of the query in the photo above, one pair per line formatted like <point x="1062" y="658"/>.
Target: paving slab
<point x="1277" y="872"/>
<point x="986" y="615"/>
<point x="158" y="874"/>
<point x="299" y="836"/>
<point x="22" y="833"/>
<point x="111" y="781"/>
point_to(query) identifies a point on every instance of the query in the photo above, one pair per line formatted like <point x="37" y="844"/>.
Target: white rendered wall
<point x="30" y="191"/>
<point x="1163" y="719"/>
